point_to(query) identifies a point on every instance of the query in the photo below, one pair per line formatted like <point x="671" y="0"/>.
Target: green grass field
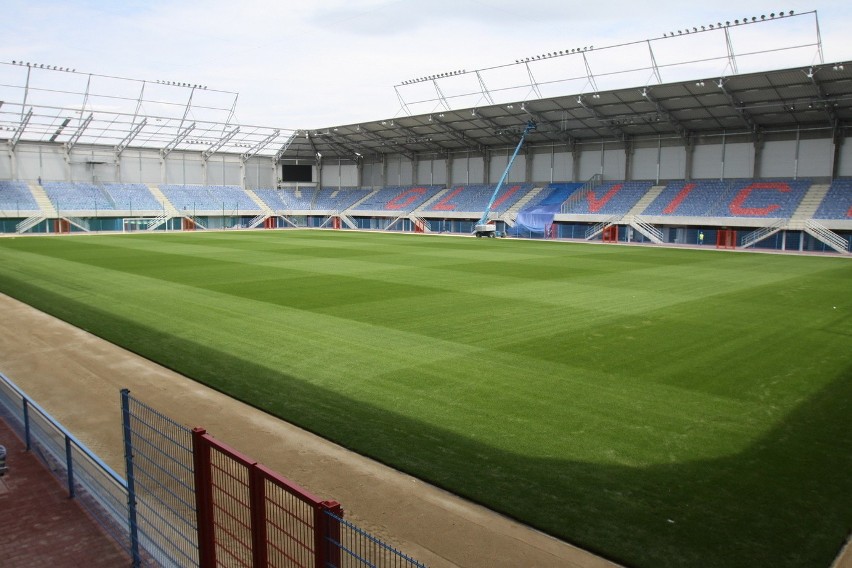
<point x="660" y="407"/>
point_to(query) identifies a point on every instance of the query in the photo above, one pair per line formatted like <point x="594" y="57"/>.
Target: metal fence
<point x="190" y="500"/>
<point x="96" y="487"/>
<point x="160" y="477"/>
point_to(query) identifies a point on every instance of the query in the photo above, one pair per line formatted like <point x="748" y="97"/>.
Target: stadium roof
<point x="122" y="113"/>
<point x="782" y="100"/>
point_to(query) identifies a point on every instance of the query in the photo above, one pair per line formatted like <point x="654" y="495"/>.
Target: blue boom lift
<point x="483" y="228"/>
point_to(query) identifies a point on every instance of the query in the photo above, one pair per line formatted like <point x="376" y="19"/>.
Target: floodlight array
<point x="728" y="23"/>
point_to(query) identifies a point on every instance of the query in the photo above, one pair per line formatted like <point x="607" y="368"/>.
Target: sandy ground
<point x="77" y="378"/>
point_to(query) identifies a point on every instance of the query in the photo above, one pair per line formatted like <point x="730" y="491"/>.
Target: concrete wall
<point x="808" y="154"/>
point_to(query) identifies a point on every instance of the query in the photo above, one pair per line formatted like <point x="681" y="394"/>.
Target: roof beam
<point x="561" y="133"/>
<point x="134" y="132"/>
<point x="176" y="140"/>
<point x="662" y="111"/>
<point x="79" y="132"/>
<point x="602" y="119"/>
<point x="498" y="129"/>
<point x="21" y="127"/>
<point x="343" y="147"/>
<point x="283" y="150"/>
<point x="468" y="143"/>
<point x="205" y="155"/>
<point x="402" y="149"/>
<point x="259" y="146"/>
<point x="738" y="107"/>
<point x="432" y="145"/>
<point x="829" y="110"/>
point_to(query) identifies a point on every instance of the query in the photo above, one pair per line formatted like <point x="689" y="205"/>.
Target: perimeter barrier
<point x="97" y="488"/>
<point x="191" y="501"/>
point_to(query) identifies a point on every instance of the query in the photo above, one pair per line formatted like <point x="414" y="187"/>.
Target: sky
<point x="320" y="63"/>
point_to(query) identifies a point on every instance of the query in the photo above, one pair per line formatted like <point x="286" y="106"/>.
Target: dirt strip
<point x="77" y="377"/>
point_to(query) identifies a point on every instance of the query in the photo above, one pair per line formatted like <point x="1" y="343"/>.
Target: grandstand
<point x="656" y="182"/>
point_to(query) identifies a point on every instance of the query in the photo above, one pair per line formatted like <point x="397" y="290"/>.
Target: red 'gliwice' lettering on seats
<point x="595" y="204"/>
<point x="444" y="204"/>
<point x="413" y="195"/>
<point x="736" y="206"/>
<point x="675" y="203"/>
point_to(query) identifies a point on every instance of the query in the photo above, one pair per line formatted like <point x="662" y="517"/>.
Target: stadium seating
<point x="398" y="199"/>
<point x="16" y="196"/>
<point x="273" y="198"/>
<point x="132" y="196"/>
<point x="474" y="198"/>
<point x="837" y="203"/>
<point x="772" y="198"/>
<point x="611" y="198"/>
<point x="78" y="196"/>
<point x="338" y="198"/>
<point x="208" y="198"/>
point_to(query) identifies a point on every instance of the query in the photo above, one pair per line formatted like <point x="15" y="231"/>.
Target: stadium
<point x="621" y="379"/>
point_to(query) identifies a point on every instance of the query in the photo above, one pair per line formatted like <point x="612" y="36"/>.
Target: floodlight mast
<point x="482" y="228"/>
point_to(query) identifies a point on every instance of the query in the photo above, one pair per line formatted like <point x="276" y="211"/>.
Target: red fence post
<point x="327" y="534"/>
<point x="203" y="499"/>
<point x="257" y="492"/>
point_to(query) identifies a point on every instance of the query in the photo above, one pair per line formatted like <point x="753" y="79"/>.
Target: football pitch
<point x="660" y="407"/>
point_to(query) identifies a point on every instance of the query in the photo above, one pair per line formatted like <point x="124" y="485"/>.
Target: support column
<point x="689" y="146"/>
<point x="486" y="166"/>
<point x="527" y="165"/>
<point x="318" y="165"/>
<point x="575" y="161"/>
<point x="628" y="158"/>
<point x="758" y="154"/>
<point x="449" y="167"/>
<point x="837" y="141"/>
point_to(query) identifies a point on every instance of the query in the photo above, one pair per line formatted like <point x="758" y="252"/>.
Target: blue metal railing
<point x="92" y="483"/>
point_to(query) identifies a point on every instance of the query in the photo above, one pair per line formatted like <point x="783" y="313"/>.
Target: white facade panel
<point x="778" y="159"/>
<point x="844" y="167"/>
<point x="590" y="163"/>
<point x="815" y="157"/>
<point x="498" y="166"/>
<point x="614" y="163"/>
<point x="458" y="175"/>
<point x="338" y="173"/>
<point x="643" y="166"/>
<point x="5" y="165"/>
<point x="739" y="160"/>
<point x="393" y="171"/>
<point x="563" y="167"/>
<point x="432" y="172"/>
<point x="707" y="161"/>
<point x="260" y="172"/>
<point x="542" y="171"/>
<point x="672" y="162"/>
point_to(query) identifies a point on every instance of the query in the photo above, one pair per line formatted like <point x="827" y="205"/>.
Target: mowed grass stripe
<point x="594" y="392"/>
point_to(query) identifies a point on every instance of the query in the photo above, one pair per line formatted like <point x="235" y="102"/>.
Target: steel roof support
<point x="533" y="84"/>
<point x="732" y="60"/>
<point x="26" y="93"/>
<point x="654" y="63"/>
<point x="485" y="92"/>
<point x="441" y="97"/>
<point x="682" y="132"/>
<point x="130" y="136"/>
<point x="21" y="127"/>
<point x="78" y="133"/>
<point x="402" y="103"/>
<point x="738" y="107"/>
<point x="205" y="155"/>
<point x="259" y="146"/>
<point x="176" y="140"/>
<point x="283" y="150"/>
<point x="432" y="145"/>
<point x="602" y="119"/>
<point x="469" y="143"/>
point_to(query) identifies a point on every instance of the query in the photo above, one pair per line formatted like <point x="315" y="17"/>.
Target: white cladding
<point x="713" y="158"/>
